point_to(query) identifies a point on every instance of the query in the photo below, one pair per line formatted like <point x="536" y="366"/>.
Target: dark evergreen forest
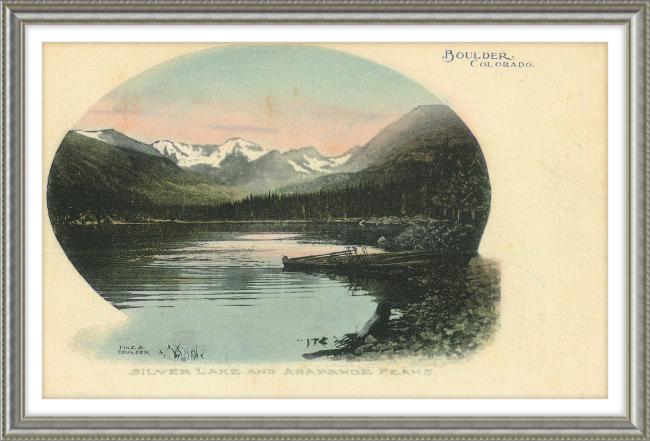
<point x="364" y="200"/>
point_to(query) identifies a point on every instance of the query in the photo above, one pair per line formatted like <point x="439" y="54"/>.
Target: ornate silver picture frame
<point x="634" y="16"/>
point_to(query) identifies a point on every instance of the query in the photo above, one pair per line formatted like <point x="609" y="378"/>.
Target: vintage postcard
<point x="335" y="220"/>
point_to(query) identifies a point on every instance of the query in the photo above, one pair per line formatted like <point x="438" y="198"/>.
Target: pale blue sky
<point x="280" y="96"/>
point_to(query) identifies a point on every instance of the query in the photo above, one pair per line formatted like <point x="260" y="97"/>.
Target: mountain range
<point x="237" y="162"/>
<point x="242" y="163"/>
<point x="109" y="176"/>
<point x="426" y="163"/>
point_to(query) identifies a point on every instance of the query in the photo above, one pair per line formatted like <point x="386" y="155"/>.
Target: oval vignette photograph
<point x="277" y="204"/>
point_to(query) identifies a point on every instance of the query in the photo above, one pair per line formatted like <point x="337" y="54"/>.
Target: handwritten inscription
<point x="485" y="59"/>
<point x="176" y="352"/>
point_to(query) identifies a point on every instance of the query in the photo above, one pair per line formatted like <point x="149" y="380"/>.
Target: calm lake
<point x="215" y="296"/>
<point x="218" y="293"/>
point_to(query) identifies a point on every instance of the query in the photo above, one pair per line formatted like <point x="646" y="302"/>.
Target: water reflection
<point x="214" y="296"/>
<point x="218" y="295"/>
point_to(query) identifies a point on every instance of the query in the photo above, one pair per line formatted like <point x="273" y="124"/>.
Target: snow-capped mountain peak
<point x="169" y="148"/>
<point x="309" y="159"/>
<point x="236" y="162"/>
<point x="297" y="168"/>
<point x="99" y="135"/>
<point x="250" y="149"/>
<point x="340" y="160"/>
<point x="115" y="138"/>
<point x="189" y="155"/>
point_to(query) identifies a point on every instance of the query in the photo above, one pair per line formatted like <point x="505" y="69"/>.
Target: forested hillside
<point x="427" y="164"/>
<point x="93" y="181"/>
<point x="438" y="173"/>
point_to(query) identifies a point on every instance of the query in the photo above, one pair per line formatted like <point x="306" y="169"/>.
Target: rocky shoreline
<point x="441" y="316"/>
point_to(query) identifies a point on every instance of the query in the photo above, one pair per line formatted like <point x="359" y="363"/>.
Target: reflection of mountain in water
<point x="447" y="313"/>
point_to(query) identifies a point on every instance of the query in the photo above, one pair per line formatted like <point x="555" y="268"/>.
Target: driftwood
<point x="377" y="264"/>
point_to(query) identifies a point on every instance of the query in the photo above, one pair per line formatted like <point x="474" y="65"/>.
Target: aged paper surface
<point x="542" y="128"/>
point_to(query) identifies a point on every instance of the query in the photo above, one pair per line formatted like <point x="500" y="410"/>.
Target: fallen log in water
<point x="377" y="263"/>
